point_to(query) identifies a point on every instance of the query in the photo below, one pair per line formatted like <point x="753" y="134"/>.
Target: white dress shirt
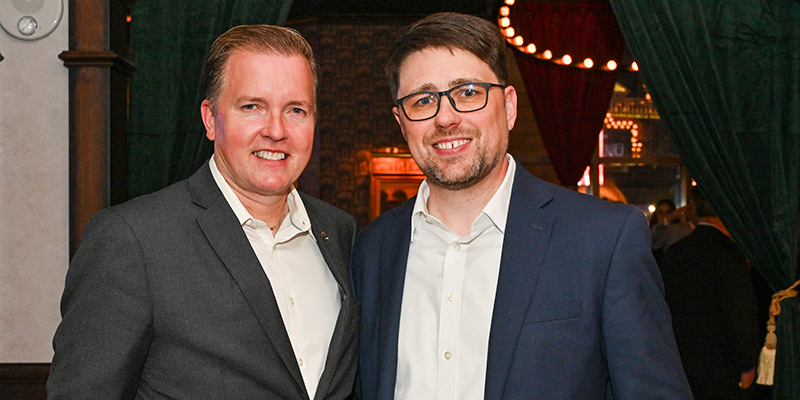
<point x="448" y="299"/>
<point x="304" y="287"/>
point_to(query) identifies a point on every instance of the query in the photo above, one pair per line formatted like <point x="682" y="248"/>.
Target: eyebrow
<point x="301" y="103"/>
<point x="461" y="81"/>
<point x="262" y="100"/>
<point x="429" y="87"/>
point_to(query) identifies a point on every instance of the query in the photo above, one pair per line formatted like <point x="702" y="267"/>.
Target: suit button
<point x="448" y="355"/>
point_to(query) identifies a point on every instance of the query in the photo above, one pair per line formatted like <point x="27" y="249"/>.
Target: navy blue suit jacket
<point x="579" y="311"/>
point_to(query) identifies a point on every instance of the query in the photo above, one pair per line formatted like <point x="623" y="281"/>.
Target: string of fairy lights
<point x="504" y="22"/>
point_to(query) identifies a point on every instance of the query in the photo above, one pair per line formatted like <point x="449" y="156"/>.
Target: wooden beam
<point x="98" y="104"/>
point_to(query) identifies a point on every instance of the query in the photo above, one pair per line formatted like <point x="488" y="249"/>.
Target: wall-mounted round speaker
<point x="28" y="7"/>
<point x="30" y="19"/>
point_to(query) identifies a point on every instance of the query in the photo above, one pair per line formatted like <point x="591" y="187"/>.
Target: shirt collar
<point x="496" y="209"/>
<point x="297" y="211"/>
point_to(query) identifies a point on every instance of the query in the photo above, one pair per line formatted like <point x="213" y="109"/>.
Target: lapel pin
<point x="324" y="235"/>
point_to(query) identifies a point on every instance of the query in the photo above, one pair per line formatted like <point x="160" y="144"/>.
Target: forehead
<point x="242" y="60"/>
<point x="251" y="71"/>
<point x="441" y="68"/>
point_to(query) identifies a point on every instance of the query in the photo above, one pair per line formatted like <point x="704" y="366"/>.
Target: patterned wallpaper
<point x="355" y="107"/>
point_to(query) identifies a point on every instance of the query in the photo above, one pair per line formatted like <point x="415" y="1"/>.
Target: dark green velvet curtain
<point x="169" y="42"/>
<point x="725" y="78"/>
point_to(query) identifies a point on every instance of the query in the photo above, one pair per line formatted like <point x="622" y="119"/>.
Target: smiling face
<point x="262" y="123"/>
<point x="456" y="150"/>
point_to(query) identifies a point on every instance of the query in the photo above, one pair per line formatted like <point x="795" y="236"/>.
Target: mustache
<point x="440" y="134"/>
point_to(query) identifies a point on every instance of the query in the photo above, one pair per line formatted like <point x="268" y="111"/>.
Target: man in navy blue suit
<point x="490" y="283"/>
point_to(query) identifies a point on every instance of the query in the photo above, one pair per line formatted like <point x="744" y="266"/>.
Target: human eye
<point x="297" y="113"/>
<point x="469" y="90"/>
<point x="421" y="100"/>
<point x="249" y="107"/>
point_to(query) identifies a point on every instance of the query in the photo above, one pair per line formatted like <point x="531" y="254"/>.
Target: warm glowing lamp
<point x="611" y="65"/>
<point x="531" y="48"/>
<point x="519" y="41"/>
<point x="505" y="22"/>
<point x="510" y="32"/>
<point x="567" y="60"/>
<point x="547" y="54"/>
<point x="588" y="63"/>
<point x="634" y="66"/>
<point x="505" y="11"/>
<point x="510" y="2"/>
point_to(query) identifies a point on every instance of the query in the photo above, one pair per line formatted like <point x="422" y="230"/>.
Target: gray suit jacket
<point x="165" y="299"/>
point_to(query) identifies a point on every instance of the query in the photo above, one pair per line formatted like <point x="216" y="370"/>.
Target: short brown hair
<point x="451" y="31"/>
<point x="268" y="39"/>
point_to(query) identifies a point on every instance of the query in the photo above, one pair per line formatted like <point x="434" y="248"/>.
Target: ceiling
<point x="484" y="8"/>
<point x="305" y="8"/>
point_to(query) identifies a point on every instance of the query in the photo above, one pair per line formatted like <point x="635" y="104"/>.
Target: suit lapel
<point x="394" y="259"/>
<point x="326" y="234"/>
<point x="526" y="239"/>
<point x="323" y="229"/>
<point x="226" y="237"/>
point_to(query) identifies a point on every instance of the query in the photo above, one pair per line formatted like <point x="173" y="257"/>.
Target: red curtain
<point x="569" y="103"/>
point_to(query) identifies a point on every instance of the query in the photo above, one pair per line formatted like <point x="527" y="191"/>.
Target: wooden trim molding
<point x="98" y="102"/>
<point x="24" y="372"/>
<point x="23" y="381"/>
<point x="78" y="58"/>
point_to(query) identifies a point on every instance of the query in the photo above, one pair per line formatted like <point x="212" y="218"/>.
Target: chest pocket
<point x="553" y="311"/>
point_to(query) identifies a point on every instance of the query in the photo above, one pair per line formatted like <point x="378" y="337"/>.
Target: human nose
<point x="274" y="128"/>
<point x="447" y="114"/>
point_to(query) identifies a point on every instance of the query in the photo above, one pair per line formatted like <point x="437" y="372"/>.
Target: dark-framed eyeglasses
<point x="464" y="98"/>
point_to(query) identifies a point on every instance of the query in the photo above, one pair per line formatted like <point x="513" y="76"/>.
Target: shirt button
<point x="428" y="219"/>
<point x="457" y="247"/>
<point x="448" y="355"/>
<point x="291" y="300"/>
<point x="451" y="297"/>
<point x="300" y="362"/>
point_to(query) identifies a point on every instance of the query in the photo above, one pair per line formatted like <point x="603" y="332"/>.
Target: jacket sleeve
<point x="642" y="356"/>
<point x="106" y="328"/>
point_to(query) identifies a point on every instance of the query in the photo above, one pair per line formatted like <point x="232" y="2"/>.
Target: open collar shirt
<point x="448" y="299"/>
<point x="304" y="287"/>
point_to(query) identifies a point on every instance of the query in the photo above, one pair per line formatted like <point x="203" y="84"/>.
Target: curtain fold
<point x="569" y="103"/>
<point x="169" y="42"/>
<point x="725" y="78"/>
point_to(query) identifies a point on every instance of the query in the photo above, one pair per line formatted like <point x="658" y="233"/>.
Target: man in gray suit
<point x="230" y="284"/>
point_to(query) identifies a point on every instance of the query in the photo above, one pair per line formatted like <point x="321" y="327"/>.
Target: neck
<point x="458" y="209"/>
<point x="269" y="209"/>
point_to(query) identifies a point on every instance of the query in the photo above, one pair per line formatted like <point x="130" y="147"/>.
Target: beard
<point x="451" y="174"/>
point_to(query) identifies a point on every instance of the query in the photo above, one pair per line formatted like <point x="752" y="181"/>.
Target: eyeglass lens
<point x="464" y="98"/>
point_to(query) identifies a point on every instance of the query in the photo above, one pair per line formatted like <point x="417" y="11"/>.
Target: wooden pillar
<point x="98" y="104"/>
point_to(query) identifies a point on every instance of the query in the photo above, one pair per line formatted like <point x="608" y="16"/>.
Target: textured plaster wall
<point x="34" y="184"/>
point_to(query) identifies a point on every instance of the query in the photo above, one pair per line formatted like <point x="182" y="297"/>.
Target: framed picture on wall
<point x="395" y="178"/>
